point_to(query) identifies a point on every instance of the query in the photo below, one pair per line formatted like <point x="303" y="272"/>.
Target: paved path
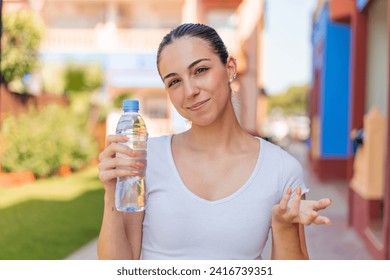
<point x="87" y="252"/>
<point x="337" y="241"/>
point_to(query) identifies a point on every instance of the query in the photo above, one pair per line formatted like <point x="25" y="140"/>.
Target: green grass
<point x="55" y="188"/>
<point x="51" y="218"/>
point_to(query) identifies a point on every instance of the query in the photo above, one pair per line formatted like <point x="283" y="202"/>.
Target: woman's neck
<point x="224" y="134"/>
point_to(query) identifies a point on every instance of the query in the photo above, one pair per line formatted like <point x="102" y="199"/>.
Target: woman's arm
<point x="121" y="233"/>
<point x="288" y="220"/>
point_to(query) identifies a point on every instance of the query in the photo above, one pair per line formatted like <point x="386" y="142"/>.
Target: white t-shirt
<point x="181" y="225"/>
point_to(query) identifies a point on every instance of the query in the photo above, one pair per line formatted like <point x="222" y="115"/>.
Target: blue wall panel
<point x="334" y="102"/>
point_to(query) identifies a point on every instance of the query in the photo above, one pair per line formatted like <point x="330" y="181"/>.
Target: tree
<point x="21" y="38"/>
<point x="1" y="37"/>
<point x="79" y="78"/>
<point x="293" y="101"/>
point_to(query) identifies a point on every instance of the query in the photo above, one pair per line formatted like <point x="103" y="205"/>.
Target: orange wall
<point x="341" y="10"/>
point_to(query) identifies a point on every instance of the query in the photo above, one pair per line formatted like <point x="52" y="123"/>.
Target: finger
<point x="120" y="162"/>
<point x="295" y="205"/>
<point x="114" y="138"/>
<point x="322" y="204"/>
<point x="322" y="220"/>
<point x="114" y="148"/>
<point x="296" y="201"/>
<point x="308" y="218"/>
<point x="284" y="201"/>
<point x="108" y="175"/>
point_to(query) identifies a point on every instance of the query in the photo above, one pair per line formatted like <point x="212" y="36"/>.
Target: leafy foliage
<point x="60" y="78"/>
<point x="43" y="141"/>
<point x="291" y="102"/>
<point x="22" y="34"/>
<point x="117" y="102"/>
<point x="82" y="77"/>
<point x="53" y="81"/>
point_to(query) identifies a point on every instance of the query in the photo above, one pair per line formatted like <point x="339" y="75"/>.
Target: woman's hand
<point x="299" y="210"/>
<point x="121" y="234"/>
<point x="111" y="166"/>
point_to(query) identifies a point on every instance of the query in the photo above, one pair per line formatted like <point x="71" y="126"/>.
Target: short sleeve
<point x="292" y="174"/>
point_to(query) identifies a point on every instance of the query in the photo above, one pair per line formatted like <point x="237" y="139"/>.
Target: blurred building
<point x="330" y="109"/>
<point x="349" y="104"/>
<point x="123" y="36"/>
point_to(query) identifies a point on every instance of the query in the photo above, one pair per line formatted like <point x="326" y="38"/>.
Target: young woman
<point x="214" y="191"/>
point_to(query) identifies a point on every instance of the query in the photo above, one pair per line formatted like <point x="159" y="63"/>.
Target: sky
<point x="286" y="57"/>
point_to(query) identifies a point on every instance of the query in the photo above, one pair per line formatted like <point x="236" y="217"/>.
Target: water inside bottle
<point x="130" y="194"/>
<point x="130" y="191"/>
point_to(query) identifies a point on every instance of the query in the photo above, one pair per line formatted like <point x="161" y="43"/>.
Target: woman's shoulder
<point x="288" y="168"/>
<point x="270" y="150"/>
<point x="277" y="154"/>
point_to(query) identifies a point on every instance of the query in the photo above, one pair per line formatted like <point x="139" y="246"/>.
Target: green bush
<point x="53" y="81"/>
<point x="83" y="77"/>
<point x="117" y="102"/>
<point x="79" y="78"/>
<point x="43" y="141"/>
<point x="22" y="34"/>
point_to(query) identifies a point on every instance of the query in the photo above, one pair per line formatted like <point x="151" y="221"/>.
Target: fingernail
<point x="299" y="191"/>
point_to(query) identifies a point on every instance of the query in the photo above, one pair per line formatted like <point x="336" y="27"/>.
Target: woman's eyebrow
<point x="196" y="62"/>
<point x="169" y="75"/>
<point x="189" y="67"/>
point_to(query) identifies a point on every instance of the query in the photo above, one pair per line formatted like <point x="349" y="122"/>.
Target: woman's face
<point x="196" y="80"/>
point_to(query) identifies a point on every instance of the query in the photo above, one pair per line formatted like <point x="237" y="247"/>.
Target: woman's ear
<point x="231" y="66"/>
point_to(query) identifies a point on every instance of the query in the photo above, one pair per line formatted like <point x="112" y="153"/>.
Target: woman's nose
<point x="190" y="88"/>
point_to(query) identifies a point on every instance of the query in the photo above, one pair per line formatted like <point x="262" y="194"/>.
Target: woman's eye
<point x="173" y="82"/>
<point x="201" y="69"/>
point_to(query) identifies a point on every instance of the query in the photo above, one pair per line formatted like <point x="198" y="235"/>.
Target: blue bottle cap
<point x="130" y="105"/>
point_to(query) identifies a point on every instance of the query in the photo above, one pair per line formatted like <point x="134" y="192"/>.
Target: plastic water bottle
<point x="130" y="191"/>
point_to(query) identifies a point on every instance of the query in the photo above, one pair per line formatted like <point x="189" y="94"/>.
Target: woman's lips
<point x="198" y="105"/>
